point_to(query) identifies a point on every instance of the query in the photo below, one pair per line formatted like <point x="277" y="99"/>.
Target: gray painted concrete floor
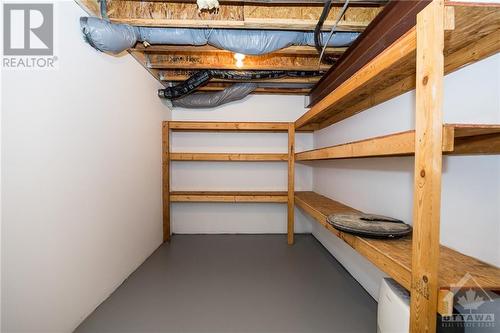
<point x="237" y="283"/>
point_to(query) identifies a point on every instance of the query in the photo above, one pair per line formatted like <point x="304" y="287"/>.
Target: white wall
<point x="272" y="176"/>
<point x="81" y="171"/>
<point x="470" y="214"/>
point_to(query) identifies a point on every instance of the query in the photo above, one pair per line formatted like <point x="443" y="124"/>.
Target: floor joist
<point x="291" y="50"/>
<point x="190" y="61"/>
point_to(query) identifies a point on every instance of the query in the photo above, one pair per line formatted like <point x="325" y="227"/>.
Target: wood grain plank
<point x="199" y="60"/>
<point x="291" y="184"/>
<point x="226" y="157"/>
<point x="228" y="126"/>
<point x="458" y="139"/>
<point x="389" y="145"/>
<point x="166" y="180"/>
<point x="229" y="196"/>
<point x="428" y="168"/>
<point x="290" y="50"/>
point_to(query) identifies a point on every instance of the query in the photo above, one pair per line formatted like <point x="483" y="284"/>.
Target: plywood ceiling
<point x="171" y="64"/>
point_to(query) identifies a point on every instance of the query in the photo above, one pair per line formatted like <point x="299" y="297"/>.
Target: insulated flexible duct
<point x="200" y="78"/>
<point x="213" y="99"/>
<point x="115" y="38"/>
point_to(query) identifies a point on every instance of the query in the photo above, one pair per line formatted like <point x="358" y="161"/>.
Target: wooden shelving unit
<point x="242" y="157"/>
<point x="471" y="33"/>
<point x="457" y="139"/>
<point x="394" y="257"/>
<point x="228" y="196"/>
<point x="445" y="37"/>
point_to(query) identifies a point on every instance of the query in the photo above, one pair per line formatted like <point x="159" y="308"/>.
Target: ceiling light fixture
<point x="239" y="57"/>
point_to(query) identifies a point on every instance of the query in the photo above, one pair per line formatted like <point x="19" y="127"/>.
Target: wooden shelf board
<point x="229" y="196"/>
<point x="228" y="126"/>
<point x="457" y="139"/>
<point x="227" y="157"/>
<point x="474" y="139"/>
<point x="475" y="36"/>
<point x="394" y="256"/>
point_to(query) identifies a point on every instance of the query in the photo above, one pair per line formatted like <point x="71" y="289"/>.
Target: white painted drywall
<point x="470" y="214"/>
<point x="81" y="171"/>
<point x="272" y="176"/>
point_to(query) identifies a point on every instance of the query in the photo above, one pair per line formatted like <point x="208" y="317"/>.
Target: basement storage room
<point x="250" y="166"/>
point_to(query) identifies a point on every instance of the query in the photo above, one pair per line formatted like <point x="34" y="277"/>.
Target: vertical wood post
<point x="291" y="182"/>
<point x="166" y="180"/>
<point x="428" y="160"/>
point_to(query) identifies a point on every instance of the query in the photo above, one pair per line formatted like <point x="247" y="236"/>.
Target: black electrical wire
<point x="202" y="77"/>
<point x="318" y="42"/>
<point x="334" y="28"/>
<point x="317" y="31"/>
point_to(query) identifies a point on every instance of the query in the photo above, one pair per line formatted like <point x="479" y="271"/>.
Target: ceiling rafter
<point x="186" y="60"/>
<point x="291" y="50"/>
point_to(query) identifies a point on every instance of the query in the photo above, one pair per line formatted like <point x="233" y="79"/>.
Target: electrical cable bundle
<point x="202" y="77"/>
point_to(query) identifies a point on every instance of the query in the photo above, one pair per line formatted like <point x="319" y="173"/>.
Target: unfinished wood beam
<point x="236" y="15"/>
<point x="166" y="180"/>
<point x="291" y="184"/>
<point x="218" y="86"/>
<point x="190" y="61"/>
<point x="428" y="168"/>
<point x="476" y="35"/>
<point x="291" y="50"/>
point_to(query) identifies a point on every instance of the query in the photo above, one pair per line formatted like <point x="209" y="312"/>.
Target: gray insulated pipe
<point x="214" y="99"/>
<point x="115" y="38"/>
